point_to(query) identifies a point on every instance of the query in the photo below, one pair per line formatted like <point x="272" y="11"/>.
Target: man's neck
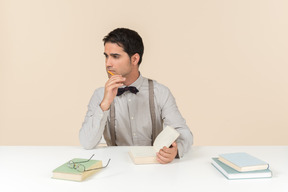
<point x="131" y="79"/>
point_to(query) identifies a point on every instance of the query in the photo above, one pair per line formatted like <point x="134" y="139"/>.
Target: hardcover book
<point x="67" y="173"/>
<point x="231" y="173"/>
<point x="147" y="154"/>
<point x="243" y="162"/>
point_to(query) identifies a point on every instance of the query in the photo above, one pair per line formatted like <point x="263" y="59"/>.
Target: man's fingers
<point x="166" y="155"/>
<point x="161" y="159"/>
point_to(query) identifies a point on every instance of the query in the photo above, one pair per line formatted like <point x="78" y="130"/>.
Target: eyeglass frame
<point x="74" y="165"/>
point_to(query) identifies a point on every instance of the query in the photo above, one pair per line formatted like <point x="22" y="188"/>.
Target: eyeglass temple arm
<point x="99" y="167"/>
<point x="107" y="163"/>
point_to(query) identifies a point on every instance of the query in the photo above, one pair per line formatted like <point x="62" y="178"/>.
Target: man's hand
<point x="111" y="88"/>
<point x="167" y="155"/>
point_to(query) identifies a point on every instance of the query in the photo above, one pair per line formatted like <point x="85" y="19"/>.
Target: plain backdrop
<point x="225" y="62"/>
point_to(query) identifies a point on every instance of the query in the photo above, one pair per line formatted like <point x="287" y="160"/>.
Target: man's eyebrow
<point x="115" y="54"/>
<point x="112" y="54"/>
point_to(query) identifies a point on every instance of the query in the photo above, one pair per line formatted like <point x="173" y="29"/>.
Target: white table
<point x="29" y="168"/>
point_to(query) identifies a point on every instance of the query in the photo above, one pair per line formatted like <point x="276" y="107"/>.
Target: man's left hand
<point x="167" y="155"/>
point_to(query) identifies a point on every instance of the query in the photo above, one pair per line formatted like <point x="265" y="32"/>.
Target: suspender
<point x="152" y="109"/>
<point x="112" y="124"/>
<point x="155" y="129"/>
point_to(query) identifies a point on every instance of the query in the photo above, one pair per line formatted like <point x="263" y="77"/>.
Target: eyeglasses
<point x="81" y="168"/>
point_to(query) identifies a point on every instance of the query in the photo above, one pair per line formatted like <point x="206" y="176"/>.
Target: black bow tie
<point x="129" y="88"/>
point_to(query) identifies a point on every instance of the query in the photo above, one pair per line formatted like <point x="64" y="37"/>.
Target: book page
<point x="143" y="151"/>
<point x="165" y="138"/>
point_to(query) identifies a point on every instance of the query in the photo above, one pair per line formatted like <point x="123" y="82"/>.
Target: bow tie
<point x="132" y="89"/>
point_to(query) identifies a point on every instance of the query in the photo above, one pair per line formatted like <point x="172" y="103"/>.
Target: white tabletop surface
<point x="29" y="168"/>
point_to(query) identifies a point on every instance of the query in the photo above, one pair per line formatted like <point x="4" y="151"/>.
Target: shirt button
<point x="132" y="118"/>
<point x="129" y="100"/>
<point x="134" y="134"/>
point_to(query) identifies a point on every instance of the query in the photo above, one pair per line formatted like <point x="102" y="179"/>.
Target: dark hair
<point x="128" y="39"/>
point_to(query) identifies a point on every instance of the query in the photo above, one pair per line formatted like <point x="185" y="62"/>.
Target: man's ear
<point x="135" y="59"/>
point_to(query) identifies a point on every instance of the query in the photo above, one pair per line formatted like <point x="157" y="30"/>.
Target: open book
<point x="147" y="154"/>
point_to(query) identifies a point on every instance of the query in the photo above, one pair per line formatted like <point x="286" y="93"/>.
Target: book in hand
<point x="147" y="154"/>
<point x="231" y="173"/>
<point x="243" y="162"/>
<point x="65" y="172"/>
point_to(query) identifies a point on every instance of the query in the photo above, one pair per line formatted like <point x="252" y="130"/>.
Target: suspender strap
<point x="152" y="109"/>
<point x="112" y="124"/>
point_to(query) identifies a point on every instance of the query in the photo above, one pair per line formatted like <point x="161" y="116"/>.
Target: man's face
<point x="117" y="61"/>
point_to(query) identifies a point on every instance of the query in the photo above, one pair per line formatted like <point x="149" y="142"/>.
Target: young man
<point x="135" y="113"/>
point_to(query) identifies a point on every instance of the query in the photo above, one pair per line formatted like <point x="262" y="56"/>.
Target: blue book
<point x="231" y="173"/>
<point x="243" y="162"/>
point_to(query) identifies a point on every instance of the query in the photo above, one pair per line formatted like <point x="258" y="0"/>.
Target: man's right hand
<point x="111" y="89"/>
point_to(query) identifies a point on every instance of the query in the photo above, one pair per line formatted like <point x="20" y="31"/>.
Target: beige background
<point x="225" y="62"/>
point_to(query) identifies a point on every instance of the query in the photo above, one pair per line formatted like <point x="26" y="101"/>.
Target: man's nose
<point x="108" y="62"/>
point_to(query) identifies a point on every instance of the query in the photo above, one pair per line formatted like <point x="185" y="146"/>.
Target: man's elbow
<point x="87" y="146"/>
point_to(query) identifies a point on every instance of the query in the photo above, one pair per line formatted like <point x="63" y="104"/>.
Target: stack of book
<point x="241" y="166"/>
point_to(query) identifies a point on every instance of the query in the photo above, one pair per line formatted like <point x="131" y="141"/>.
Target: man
<point x="135" y="113"/>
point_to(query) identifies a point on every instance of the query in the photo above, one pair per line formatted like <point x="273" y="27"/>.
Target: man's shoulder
<point x="159" y="87"/>
<point x="99" y="90"/>
<point x="98" y="93"/>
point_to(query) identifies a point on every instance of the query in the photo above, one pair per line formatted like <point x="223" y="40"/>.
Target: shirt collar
<point x="138" y="83"/>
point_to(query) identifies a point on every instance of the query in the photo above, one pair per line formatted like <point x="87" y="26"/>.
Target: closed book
<point x="147" y="154"/>
<point x="67" y="173"/>
<point x="231" y="173"/>
<point x="243" y="162"/>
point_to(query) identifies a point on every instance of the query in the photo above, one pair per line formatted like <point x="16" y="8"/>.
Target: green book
<point x="67" y="173"/>
<point x="231" y="173"/>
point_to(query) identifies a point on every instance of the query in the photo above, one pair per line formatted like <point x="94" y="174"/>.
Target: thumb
<point x="174" y="144"/>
